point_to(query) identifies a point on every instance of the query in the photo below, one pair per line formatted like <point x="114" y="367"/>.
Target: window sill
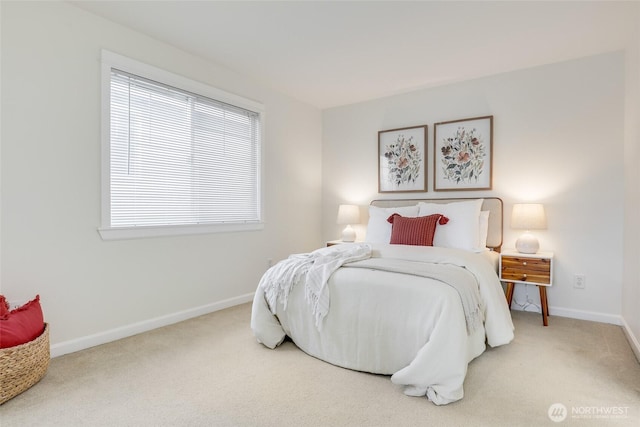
<point x="123" y="233"/>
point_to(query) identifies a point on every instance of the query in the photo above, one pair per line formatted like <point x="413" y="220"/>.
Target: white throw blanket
<point x="316" y="267"/>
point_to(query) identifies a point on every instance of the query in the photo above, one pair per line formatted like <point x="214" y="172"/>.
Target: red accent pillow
<point x="415" y="231"/>
<point x="4" y="306"/>
<point x="22" y="325"/>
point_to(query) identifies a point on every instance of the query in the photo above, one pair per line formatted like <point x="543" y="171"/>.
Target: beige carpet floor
<point x="210" y="371"/>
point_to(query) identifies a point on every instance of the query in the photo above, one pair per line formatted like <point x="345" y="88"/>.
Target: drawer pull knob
<point x="524" y="263"/>
<point x="525" y="276"/>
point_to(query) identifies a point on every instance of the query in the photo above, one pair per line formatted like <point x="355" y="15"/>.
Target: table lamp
<point x="348" y="214"/>
<point x="528" y="216"/>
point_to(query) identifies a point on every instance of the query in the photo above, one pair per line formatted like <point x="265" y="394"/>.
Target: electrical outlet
<point x="579" y="281"/>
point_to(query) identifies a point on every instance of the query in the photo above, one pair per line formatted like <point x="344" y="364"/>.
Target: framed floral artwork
<point x="462" y="158"/>
<point x="402" y="159"/>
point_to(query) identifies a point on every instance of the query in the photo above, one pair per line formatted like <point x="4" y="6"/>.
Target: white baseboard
<point x="633" y="340"/>
<point x="82" y="343"/>
<point x="593" y="316"/>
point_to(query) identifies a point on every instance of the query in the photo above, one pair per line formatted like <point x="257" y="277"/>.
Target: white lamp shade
<point x="348" y="214"/>
<point x="528" y="216"/>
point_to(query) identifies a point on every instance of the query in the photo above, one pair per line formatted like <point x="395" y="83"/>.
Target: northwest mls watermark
<point x="558" y="412"/>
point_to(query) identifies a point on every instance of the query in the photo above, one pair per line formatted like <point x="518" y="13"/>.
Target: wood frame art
<point x="402" y="160"/>
<point x="463" y="154"/>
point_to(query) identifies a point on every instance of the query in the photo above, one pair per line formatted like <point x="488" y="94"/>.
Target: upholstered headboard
<point x="491" y="204"/>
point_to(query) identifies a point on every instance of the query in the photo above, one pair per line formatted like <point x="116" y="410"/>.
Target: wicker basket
<point x="23" y="365"/>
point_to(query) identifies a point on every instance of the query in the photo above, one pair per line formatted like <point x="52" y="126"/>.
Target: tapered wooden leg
<point x="545" y="306"/>
<point x="509" y="294"/>
<point x="546" y="301"/>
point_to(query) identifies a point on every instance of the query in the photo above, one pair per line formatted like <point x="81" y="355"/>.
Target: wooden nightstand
<point x="339" y="242"/>
<point x="535" y="269"/>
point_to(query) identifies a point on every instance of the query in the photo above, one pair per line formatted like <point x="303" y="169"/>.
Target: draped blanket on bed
<point x="314" y="269"/>
<point x="419" y="314"/>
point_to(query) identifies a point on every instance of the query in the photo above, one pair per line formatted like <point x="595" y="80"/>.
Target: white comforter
<point x="405" y="325"/>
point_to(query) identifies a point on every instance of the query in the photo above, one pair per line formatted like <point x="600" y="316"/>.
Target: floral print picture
<point x="402" y="160"/>
<point x="462" y="154"/>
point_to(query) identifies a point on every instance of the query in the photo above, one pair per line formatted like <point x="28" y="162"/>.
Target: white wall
<point x="92" y="290"/>
<point x="631" y="277"/>
<point x="558" y="140"/>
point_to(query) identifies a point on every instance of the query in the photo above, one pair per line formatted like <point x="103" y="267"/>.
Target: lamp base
<point x="348" y="234"/>
<point x="527" y="244"/>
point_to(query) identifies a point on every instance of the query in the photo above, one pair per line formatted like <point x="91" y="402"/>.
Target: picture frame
<point x="402" y="160"/>
<point x="463" y="154"/>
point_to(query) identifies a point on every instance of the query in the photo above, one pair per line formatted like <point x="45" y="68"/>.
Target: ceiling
<point x="335" y="53"/>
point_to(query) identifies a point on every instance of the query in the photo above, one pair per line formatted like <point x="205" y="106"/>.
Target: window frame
<point x="111" y="60"/>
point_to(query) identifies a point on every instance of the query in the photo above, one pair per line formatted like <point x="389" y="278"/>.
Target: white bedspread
<point x="385" y="322"/>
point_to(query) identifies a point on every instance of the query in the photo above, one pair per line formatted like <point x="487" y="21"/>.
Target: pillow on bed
<point x="483" y="229"/>
<point x="414" y="231"/>
<point x="378" y="229"/>
<point x="463" y="229"/>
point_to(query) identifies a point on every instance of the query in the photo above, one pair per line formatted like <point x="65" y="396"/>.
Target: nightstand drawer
<point x="536" y="270"/>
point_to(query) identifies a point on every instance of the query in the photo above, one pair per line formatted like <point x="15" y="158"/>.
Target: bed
<point x="416" y="312"/>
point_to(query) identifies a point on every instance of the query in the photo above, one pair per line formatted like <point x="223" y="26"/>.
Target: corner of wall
<point x="633" y="340"/>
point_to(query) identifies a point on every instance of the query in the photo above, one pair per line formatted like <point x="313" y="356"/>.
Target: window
<point x="179" y="157"/>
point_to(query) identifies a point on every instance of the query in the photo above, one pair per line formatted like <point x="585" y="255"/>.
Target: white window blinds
<point x="178" y="158"/>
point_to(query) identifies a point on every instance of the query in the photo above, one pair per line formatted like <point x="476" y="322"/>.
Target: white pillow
<point x="378" y="229"/>
<point x="484" y="229"/>
<point x="463" y="229"/>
